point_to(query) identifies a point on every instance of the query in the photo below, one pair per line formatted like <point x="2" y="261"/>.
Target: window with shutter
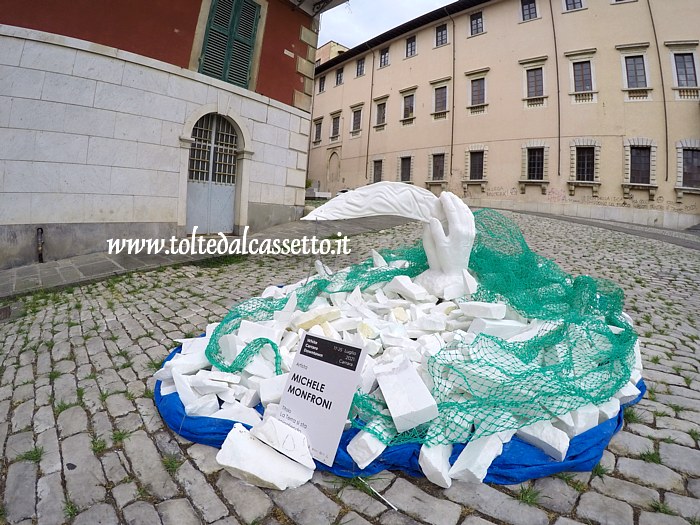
<point x="229" y="42"/>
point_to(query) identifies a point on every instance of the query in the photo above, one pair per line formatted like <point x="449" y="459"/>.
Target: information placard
<point x="318" y="394"/>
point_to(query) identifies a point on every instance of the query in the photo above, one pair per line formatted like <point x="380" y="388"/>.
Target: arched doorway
<point x="211" y="177"/>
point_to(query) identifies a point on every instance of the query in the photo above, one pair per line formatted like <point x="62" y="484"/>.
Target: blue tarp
<point x="519" y="461"/>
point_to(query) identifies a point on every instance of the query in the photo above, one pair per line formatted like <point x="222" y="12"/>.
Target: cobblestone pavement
<point x="81" y="441"/>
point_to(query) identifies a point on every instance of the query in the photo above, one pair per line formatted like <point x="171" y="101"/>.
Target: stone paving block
<point x="204" y="457"/>
<point x="23" y="393"/>
<point x="168" y="445"/>
<point x="102" y="514"/>
<point x="129" y="423"/>
<point x="567" y="521"/>
<point x="495" y="504"/>
<point x="248" y="502"/>
<point x="680" y="458"/>
<point x="177" y="512"/>
<point x="114" y="470"/>
<point x="650" y="474"/>
<point x="141" y="513"/>
<point x="4" y="427"/>
<point x="119" y="405"/>
<point x="352" y="518"/>
<point x="476" y="520"/>
<point x="410" y="500"/>
<point x="65" y="390"/>
<point x="306" y="505"/>
<point x="49" y="509"/>
<point x="626" y="444"/>
<point x="83" y="471"/>
<point x="626" y="491"/>
<point x="556" y="495"/>
<point x="18" y="444"/>
<point x="603" y="510"/>
<point x="683" y="505"/>
<point x="150" y="416"/>
<point x="694" y="487"/>
<point x="394" y="517"/>
<point x="361" y="502"/>
<point x="51" y="458"/>
<point x="72" y="421"/>
<point x="679" y="437"/>
<point x="22" y="416"/>
<point x="202" y="495"/>
<point x="230" y="520"/>
<point x="43" y="419"/>
<point x="649" y="518"/>
<point x="124" y="494"/>
<point x="147" y="465"/>
<point x="20" y="496"/>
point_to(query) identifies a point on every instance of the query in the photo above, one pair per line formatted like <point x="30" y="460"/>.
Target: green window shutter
<point x="243" y="44"/>
<point x="229" y="41"/>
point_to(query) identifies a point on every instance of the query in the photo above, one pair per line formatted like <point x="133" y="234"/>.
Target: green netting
<point x="489" y="385"/>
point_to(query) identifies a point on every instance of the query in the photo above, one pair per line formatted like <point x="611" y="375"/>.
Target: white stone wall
<point x="91" y="134"/>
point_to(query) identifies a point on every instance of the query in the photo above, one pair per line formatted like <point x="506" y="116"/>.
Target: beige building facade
<point x="574" y="107"/>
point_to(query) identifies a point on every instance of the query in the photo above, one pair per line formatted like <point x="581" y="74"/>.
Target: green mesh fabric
<point x="490" y="385"/>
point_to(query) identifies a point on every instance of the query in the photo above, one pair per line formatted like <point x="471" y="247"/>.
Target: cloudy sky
<point x="356" y="21"/>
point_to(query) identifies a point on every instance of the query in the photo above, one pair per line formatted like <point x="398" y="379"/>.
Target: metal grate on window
<point x="691" y="168"/>
<point x="476" y="165"/>
<point x="535" y="164"/>
<point x="225" y="152"/>
<point x="585" y="164"/>
<point x="476" y="22"/>
<point x="640" y="165"/>
<point x="215" y="160"/>
<point x="405" y="169"/>
<point x="636" y="76"/>
<point x="439" y="166"/>
<point x="377" y="171"/>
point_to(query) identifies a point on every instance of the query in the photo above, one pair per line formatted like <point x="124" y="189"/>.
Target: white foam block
<point x="204" y="386"/>
<point x="550" y="440"/>
<point x="476" y="458"/>
<point x="435" y="463"/>
<point x="182" y="384"/>
<point x="251" y="460"/>
<point x="608" y="410"/>
<point x="364" y="448"/>
<point x="503" y="328"/>
<point x="203" y="406"/>
<point x="271" y="389"/>
<point x="407" y="397"/>
<point x="249" y="331"/>
<point x="284" y="439"/>
<point x="483" y="310"/>
<point x="627" y="393"/>
<point x="378" y="260"/>
<point x="585" y="418"/>
<point x="235" y="411"/>
<point x="565" y="423"/>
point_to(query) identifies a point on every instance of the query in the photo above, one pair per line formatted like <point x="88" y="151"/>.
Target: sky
<point x="357" y="21"/>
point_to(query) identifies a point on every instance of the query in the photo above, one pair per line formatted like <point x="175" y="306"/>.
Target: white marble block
<point x="628" y="393"/>
<point x="284" y="439"/>
<point x="365" y="448"/>
<point x="608" y="410"/>
<point x="407" y="397"/>
<point x="271" y="389"/>
<point x="585" y="418"/>
<point x="483" y="310"/>
<point x="546" y="437"/>
<point x="503" y="328"/>
<point x="476" y="458"/>
<point x="435" y="463"/>
<point x="238" y="412"/>
<point x="254" y="462"/>
<point x="402" y="285"/>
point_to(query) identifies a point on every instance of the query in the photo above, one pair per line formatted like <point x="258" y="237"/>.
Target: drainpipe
<point x="369" y="123"/>
<point x="454" y="82"/>
<point x="663" y="87"/>
<point x="556" y="68"/>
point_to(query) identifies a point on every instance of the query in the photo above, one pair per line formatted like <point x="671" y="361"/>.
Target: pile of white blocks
<point x="401" y="326"/>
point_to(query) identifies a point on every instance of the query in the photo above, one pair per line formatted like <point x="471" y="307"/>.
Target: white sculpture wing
<point x="381" y="198"/>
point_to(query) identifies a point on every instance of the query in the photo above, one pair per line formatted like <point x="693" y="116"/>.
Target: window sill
<point x="440" y="115"/>
<point x="436" y="182"/>
<point x="321" y="92"/>
<point x="530" y="20"/>
<point x="524" y="183"/>
<point x="407" y="121"/>
<point x="477" y="34"/>
<point x="474" y="182"/>
<point x="627" y="188"/>
<point x="410" y="56"/>
<point x="637" y="94"/>
<point x="442" y="45"/>
<point x="617" y="2"/>
<point x="687" y="93"/>
<point x="384" y="66"/>
<point x="355" y="133"/>
<point x="680" y="190"/>
<point x="409" y="181"/>
<point x="584" y="97"/>
<point x="566" y="11"/>
<point x="594" y="185"/>
<point x="335" y="138"/>
<point x="379" y="127"/>
<point x="338" y="85"/>
<point x="535" y="102"/>
<point x="477" y="109"/>
<point x="316" y="142"/>
<point x="360" y="76"/>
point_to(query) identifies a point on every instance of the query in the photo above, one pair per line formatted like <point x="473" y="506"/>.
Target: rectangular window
<point x="377" y="171"/>
<point x="478" y="91"/>
<point x="335" y="126"/>
<point x="574" y="4"/>
<point x="636" y="74"/>
<point x="476" y="165"/>
<point x="640" y="165"/>
<point x="317" y="131"/>
<point x="476" y="23"/>
<point x="535" y="84"/>
<point x="384" y="57"/>
<point x="691" y="168"/>
<point x="685" y="70"/>
<point x="356" y="119"/>
<point x="585" y="163"/>
<point x="381" y="113"/>
<point x="410" y="46"/>
<point x="583" y="80"/>
<point x="408" y="105"/>
<point x="360" y="67"/>
<point x="322" y="84"/>
<point x="338" y="76"/>
<point x="439" y="166"/>
<point x="535" y="163"/>
<point x="529" y="9"/>
<point x="440" y="99"/>
<point x="441" y="35"/>
<point x="405" y="169"/>
<point x="229" y="41"/>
